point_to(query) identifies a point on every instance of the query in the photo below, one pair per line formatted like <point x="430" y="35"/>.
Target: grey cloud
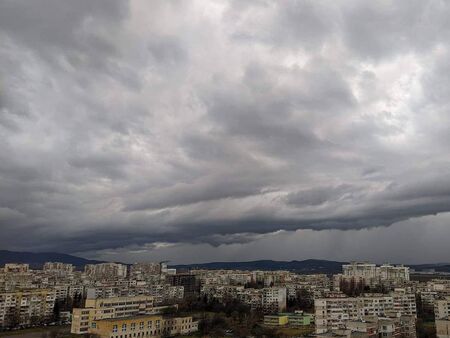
<point x="131" y="124"/>
<point x="318" y="196"/>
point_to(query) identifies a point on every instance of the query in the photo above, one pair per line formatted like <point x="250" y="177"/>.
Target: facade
<point x="58" y="267"/>
<point x="443" y="328"/>
<point x="273" y="300"/>
<point x="115" y="307"/>
<point x="442" y="308"/>
<point x="442" y="315"/>
<point x="106" y="270"/>
<point x="332" y="313"/>
<point x="187" y="281"/>
<point x="374" y="327"/>
<point x="269" y="300"/>
<point x="26" y="307"/>
<point x="296" y="319"/>
<point x="142" y="326"/>
<point x="300" y="319"/>
<point x="371" y="275"/>
<point x="404" y="302"/>
<point x="276" y="320"/>
<point x="16" y="268"/>
<point x="140" y="271"/>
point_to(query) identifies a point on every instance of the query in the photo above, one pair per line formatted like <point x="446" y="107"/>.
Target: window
<point x="94" y="325"/>
<point x="114" y="328"/>
<point x="149" y="324"/>
<point x="133" y="326"/>
<point x="141" y="325"/>
<point x="124" y="327"/>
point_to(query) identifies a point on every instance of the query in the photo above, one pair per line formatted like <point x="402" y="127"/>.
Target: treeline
<point x="303" y="300"/>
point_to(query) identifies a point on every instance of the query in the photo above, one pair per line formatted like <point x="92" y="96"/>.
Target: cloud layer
<point x="140" y="123"/>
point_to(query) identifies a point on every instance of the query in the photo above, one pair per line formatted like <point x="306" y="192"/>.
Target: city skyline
<point x="226" y="131"/>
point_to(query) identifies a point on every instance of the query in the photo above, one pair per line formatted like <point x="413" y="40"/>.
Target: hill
<point x="305" y="266"/>
<point x="37" y="259"/>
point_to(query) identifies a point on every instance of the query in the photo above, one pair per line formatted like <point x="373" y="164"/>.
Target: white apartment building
<point x="404" y="302"/>
<point x="373" y="275"/>
<point x="274" y="300"/>
<point x="26" y="307"/>
<point x="106" y="270"/>
<point x="57" y="267"/>
<point x="141" y="271"/>
<point x="442" y="308"/>
<point x="442" y="317"/>
<point x="331" y="313"/>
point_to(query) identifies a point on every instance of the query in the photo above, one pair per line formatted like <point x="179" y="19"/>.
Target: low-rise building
<point x="276" y="320"/>
<point x="142" y="326"/>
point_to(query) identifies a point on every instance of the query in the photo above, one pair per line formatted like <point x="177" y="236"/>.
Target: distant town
<point x="113" y="300"/>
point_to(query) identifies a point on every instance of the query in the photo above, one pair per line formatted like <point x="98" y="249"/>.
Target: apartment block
<point x="26" y="307"/>
<point x="16" y="268"/>
<point x="115" y="307"/>
<point x="143" y="326"/>
<point x="106" y="270"/>
<point x="57" y="267"/>
<point x="373" y="275"/>
<point x="442" y="317"/>
<point x="188" y="281"/>
<point x="332" y="313"/>
<point x="141" y="271"/>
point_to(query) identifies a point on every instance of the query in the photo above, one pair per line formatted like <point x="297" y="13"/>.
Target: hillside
<point x="305" y="266"/>
<point x="37" y="259"/>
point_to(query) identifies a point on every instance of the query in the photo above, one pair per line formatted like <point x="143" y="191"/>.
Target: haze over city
<point x="196" y="131"/>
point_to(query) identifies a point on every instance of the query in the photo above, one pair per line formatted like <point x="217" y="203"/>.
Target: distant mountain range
<point x="438" y="267"/>
<point x="305" y="266"/>
<point x="37" y="259"/>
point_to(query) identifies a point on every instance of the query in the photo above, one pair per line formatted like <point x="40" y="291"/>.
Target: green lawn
<point x="41" y="332"/>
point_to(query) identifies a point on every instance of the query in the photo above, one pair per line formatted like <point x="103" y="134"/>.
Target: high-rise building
<point x="106" y="270"/>
<point x="26" y="307"/>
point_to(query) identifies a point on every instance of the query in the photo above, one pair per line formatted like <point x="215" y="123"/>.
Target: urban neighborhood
<point x="113" y="300"/>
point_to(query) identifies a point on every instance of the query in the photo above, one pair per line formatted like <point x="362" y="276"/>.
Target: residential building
<point x="187" y="281"/>
<point x="331" y="313"/>
<point x="106" y="270"/>
<point x="16" y="268"/>
<point x="26" y="307"/>
<point x="115" y="307"/>
<point x="57" y="267"/>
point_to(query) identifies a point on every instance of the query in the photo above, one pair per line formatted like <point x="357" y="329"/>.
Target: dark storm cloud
<point x="137" y="124"/>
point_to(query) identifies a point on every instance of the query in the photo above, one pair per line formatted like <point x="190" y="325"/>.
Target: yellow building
<point x="142" y="326"/>
<point x="276" y="320"/>
<point x="115" y="307"/>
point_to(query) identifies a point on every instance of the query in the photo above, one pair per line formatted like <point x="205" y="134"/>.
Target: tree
<point x="12" y="318"/>
<point x="303" y="301"/>
<point x="56" y="312"/>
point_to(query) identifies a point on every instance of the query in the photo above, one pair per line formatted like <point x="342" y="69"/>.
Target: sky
<point x="201" y="131"/>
